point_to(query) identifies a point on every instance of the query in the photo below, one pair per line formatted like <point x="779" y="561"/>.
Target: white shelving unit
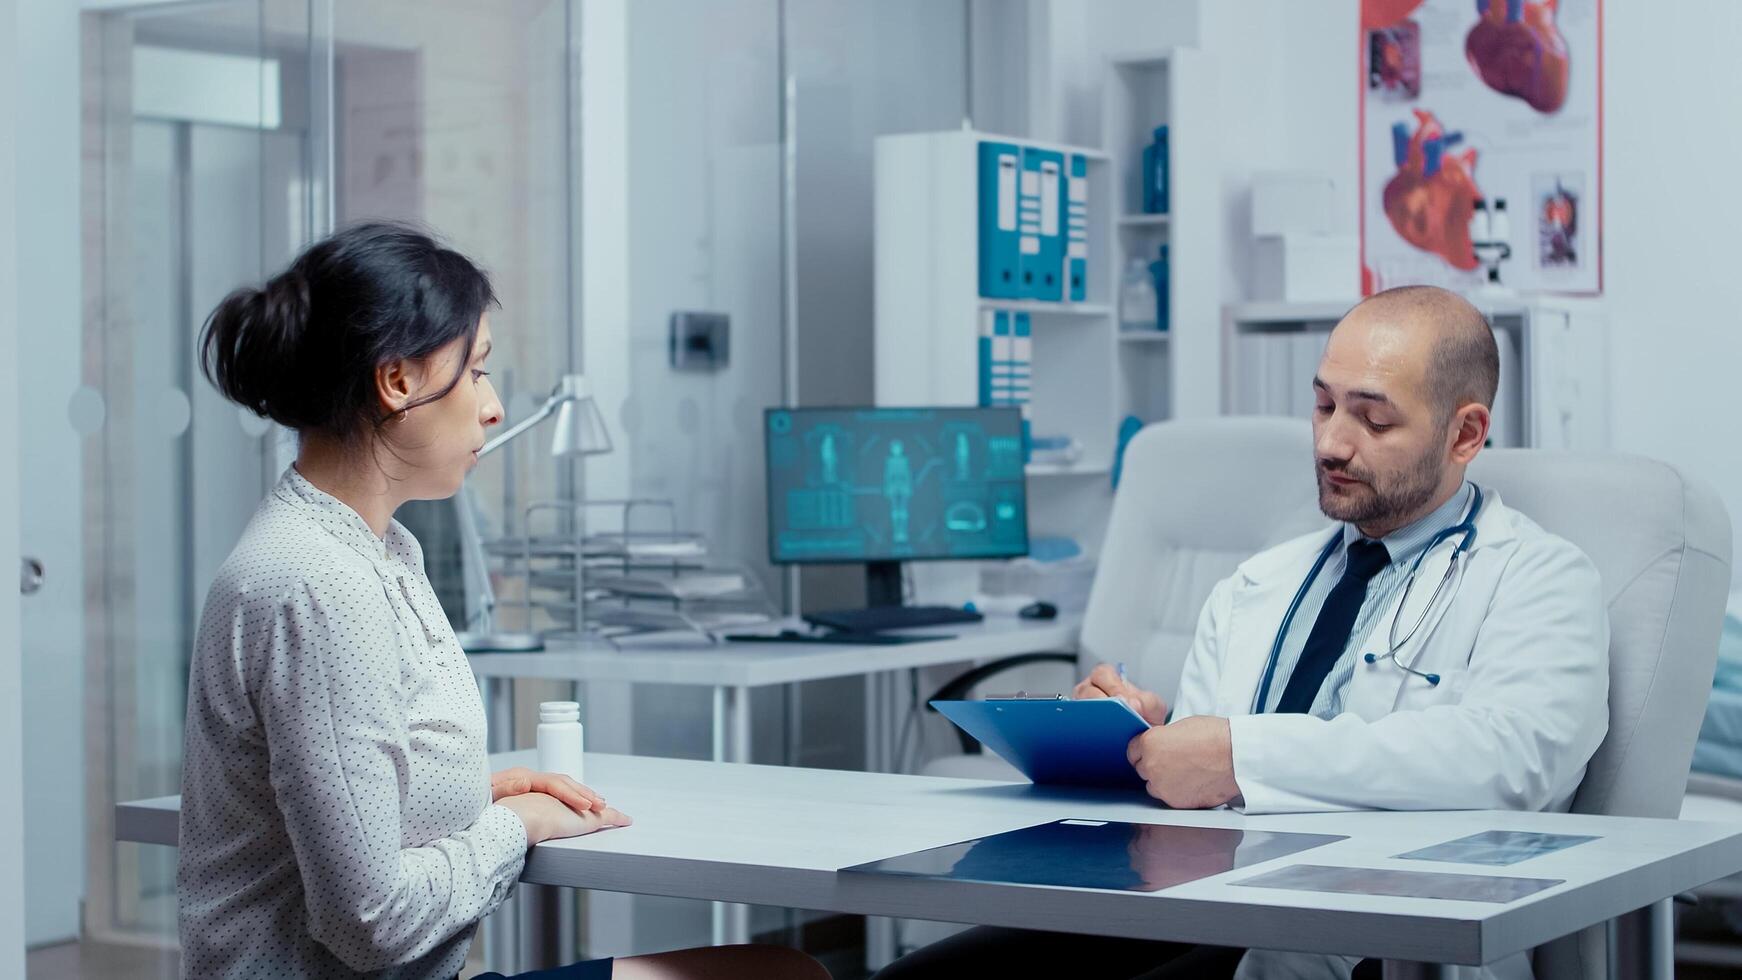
<point x="928" y="313"/>
<point x="1553" y="365"/>
<point x="928" y="301"/>
<point x="1173" y="373"/>
<point x="1040" y="308"/>
<point x="1087" y="375"/>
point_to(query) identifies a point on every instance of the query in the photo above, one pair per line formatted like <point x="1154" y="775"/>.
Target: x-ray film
<point x="1400" y="884"/>
<point x="1496" y="847"/>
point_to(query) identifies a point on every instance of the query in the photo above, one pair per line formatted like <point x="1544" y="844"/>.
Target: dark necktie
<point x="1330" y="633"/>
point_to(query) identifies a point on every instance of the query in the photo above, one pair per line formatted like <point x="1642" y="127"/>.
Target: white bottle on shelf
<point x="1137" y="304"/>
<point x="560" y="739"/>
<point x="1500" y="224"/>
<point x="1481" y="226"/>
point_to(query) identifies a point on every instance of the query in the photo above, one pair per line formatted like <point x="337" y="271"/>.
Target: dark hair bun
<point x="250" y="339"/>
<point x="303" y="350"/>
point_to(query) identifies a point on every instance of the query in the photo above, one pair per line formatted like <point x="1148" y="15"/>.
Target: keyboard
<point x="877" y="619"/>
<point x="836" y="638"/>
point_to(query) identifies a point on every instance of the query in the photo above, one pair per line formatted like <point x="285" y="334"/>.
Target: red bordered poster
<point x="1481" y="144"/>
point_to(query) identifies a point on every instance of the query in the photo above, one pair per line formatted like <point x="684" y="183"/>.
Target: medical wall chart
<point x="1481" y="143"/>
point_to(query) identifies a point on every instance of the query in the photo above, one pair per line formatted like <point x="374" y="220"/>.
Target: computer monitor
<point x="888" y="485"/>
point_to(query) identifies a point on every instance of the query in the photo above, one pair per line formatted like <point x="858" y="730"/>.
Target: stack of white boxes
<point x="1297" y="256"/>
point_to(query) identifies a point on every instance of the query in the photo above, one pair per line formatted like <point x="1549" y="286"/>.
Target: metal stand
<point x="730" y="921"/>
<point x="546" y="934"/>
<point x="609" y="707"/>
<point x="502" y="928"/>
<point x="1642" y="943"/>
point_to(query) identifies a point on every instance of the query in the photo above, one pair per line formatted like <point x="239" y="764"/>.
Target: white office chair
<point x="1661" y="542"/>
<point x="1196" y="499"/>
<point x="1200" y="496"/>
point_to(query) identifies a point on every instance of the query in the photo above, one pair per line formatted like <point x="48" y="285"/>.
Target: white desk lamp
<point x="580" y="431"/>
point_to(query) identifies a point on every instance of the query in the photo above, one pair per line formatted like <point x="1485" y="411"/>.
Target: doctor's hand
<point x="1188" y="765"/>
<point x="518" y="780"/>
<point x="1104" y="682"/>
<point x="548" y="818"/>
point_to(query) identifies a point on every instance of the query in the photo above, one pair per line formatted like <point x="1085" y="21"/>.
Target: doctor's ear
<point x="1469" y="431"/>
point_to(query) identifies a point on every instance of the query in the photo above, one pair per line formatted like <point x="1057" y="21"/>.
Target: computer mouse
<point x="1039" y="610"/>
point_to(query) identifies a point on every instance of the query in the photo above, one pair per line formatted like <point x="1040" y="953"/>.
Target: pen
<point x="1124" y="682"/>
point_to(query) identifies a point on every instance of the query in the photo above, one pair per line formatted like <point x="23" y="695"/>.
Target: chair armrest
<point x="963" y="682"/>
<point x="1712" y="784"/>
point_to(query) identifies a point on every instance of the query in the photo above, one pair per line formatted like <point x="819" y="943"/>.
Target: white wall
<point x="1068" y="50"/>
<point x="1286" y="87"/>
<point x="603" y="39"/>
<point x="1287" y="92"/>
<point x="1672" y="209"/>
<point x="1672" y="202"/>
<point x="11" y="686"/>
<point x="704" y="197"/>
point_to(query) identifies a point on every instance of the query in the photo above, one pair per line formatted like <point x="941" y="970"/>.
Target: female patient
<point x="338" y="814"/>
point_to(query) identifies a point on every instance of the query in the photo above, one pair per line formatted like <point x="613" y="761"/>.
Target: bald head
<point x="1462" y="362"/>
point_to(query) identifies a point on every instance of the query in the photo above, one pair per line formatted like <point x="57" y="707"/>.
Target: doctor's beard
<point x="1384" y="500"/>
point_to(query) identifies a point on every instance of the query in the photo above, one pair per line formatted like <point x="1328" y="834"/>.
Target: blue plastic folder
<point x="1079" y="743"/>
<point x="1040" y="219"/>
<point x="1077" y="227"/>
<point x="1000" y="242"/>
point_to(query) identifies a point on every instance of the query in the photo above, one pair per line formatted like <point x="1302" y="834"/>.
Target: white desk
<point x="732" y="669"/>
<point x="776" y="836"/>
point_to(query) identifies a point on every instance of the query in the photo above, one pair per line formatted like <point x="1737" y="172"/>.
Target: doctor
<point x="1435" y="650"/>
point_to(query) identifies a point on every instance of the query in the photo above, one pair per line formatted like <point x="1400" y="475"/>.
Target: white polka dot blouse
<point x="336" y="817"/>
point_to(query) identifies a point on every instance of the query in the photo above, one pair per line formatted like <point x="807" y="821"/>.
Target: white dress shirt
<point x="1404" y="545"/>
<point x="336" y="817"/>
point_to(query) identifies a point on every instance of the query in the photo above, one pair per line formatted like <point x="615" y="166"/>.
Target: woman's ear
<point x="396" y="383"/>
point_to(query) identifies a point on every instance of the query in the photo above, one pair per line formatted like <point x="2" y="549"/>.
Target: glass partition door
<point x="222" y="137"/>
<point x="198" y="132"/>
<point x="610" y="162"/>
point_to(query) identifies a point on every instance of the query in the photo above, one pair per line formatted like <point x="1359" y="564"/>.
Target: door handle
<point x="30" y="576"/>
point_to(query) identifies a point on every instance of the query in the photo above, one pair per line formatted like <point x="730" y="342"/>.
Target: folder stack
<point x="1033" y="224"/>
<point x="1006" y="364"/>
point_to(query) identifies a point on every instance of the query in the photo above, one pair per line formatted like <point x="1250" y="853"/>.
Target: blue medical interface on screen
<point x="893" y="484"/>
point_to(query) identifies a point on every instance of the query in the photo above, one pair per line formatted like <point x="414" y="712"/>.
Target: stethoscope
<point x="1466" y="527"/>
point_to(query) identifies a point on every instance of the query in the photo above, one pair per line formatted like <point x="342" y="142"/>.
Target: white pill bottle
<point x="560" y="740"/>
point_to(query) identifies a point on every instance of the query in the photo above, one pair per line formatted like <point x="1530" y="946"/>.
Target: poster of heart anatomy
<point x="1481" y="156"/>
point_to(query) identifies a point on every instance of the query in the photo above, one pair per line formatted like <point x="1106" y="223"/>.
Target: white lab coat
<point x="1522" y="649"/>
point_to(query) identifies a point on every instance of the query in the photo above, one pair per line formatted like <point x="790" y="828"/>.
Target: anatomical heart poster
<point x="1481" y="155"/>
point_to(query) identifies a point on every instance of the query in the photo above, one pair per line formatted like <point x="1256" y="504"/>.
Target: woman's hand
<point x="519" y="780"/>
<point x="548" y="818"/>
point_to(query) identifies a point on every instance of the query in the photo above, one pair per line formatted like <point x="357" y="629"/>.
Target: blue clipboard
<point x="1080" y="743"/>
